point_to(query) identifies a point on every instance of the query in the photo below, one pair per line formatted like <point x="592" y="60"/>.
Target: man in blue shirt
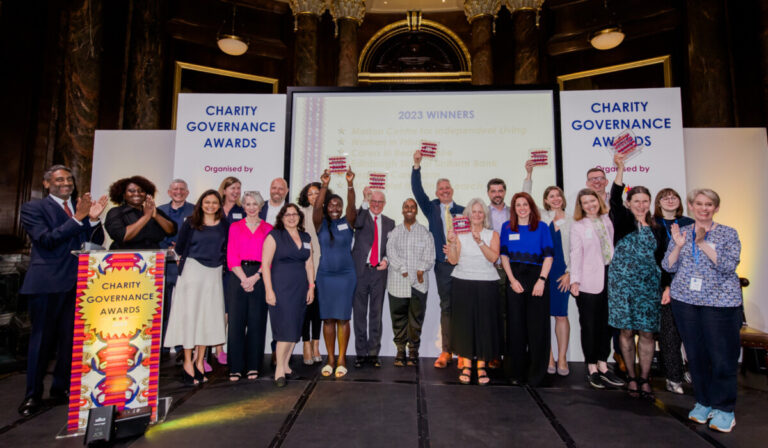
<point x="439" y="213"/>
<point x="178" y="210"/>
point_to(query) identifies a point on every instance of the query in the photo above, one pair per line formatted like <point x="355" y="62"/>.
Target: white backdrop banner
<point x="221" y="135"/>
<point x="592" y="120"/>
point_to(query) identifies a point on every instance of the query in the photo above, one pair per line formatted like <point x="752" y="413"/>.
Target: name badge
<point x="696" y="284"/>
<point x="560" y="222"/>
<point x="342" y="227"/>
<point x="237" y="216"/>
<point x="712" y="245"/>
<point x="514" y="237"/>
<point x="588" y="234"/>
<point x="307" y="245"/>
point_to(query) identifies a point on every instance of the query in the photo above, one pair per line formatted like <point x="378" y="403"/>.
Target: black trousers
<point x="52" y="317"/>
<point x="310" y="330"/>
<point x="367" y="307"/>
<point x="247" y="324"/>
<point x="595" y="332"/>
<point x="671" y="345"/>
<point x="443" y="271"/>
<point x="528" y="332"/>
<point x="407" y="315"/>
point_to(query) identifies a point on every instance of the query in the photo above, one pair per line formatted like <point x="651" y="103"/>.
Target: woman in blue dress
<point x="634" y="279"/>
<point x="336" y="278"/>
<point x="289" y="281"/>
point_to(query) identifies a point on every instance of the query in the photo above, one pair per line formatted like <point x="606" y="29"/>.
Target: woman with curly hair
<point x="136" y="223"/>
<point x="310" y="331"/>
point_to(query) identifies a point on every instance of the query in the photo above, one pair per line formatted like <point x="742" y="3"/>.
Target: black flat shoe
<point x="375" y="361"/>
<point x="359" y="362"/>
<point x="29" y="406"/>
<point x="281" y="382"/>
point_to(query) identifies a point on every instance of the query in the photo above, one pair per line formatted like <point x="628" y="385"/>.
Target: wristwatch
<point x="541" y="277"/>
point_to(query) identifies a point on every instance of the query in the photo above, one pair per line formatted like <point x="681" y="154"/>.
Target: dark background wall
<point x="72" y="66"/>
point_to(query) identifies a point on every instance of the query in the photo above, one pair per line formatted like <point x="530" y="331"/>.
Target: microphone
<point x="88" y="246"/>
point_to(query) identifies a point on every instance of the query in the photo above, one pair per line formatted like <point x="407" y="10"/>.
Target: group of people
<point x="636" y="269"/>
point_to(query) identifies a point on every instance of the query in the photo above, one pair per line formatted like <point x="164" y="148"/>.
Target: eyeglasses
<point x="377" y="202"/>
<point x="596" y="179"/>
<point x="290" y="215"/>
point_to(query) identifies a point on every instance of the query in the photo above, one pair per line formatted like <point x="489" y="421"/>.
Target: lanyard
<point x="666" y="229"/>
<point x="694" y="247"/>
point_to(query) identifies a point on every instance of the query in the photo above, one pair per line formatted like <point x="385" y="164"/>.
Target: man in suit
<point x="370" y="256"/>
<point x="56" y="226"/>
<point x="439" y="213"/>
<point x="278" y="190"/>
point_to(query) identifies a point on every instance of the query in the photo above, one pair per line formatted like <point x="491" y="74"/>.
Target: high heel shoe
<point x="199" y="377"/>
<point x="187" y="379"/>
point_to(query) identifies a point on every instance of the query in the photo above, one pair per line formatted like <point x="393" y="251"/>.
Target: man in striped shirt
<point x="410" y="250"/>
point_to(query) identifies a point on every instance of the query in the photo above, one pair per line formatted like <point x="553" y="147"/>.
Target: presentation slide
<point x="471" y="136"/>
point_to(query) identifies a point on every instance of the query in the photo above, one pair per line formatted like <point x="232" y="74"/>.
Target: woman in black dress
<point x="289" y="281"/>
<point x="136" y="223"/>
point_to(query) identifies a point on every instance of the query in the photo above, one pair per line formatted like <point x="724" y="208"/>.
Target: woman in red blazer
<point x="591" y="252"/>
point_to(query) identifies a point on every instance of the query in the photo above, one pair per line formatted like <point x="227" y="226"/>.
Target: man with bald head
<point x="411" y="253"/>
<point x="370" y="256"/>
<point x="439" y="213"/>
<point x="278" y="190"/>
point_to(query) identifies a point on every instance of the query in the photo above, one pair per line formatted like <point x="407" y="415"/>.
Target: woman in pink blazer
<point x="591" y="252"/>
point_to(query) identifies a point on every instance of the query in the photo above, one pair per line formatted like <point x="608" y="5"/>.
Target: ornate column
<point x="347" y="15"/>
<point x="525" y="19"/>
<point x="709" y="80"/>
<point x="82" y="79"/>
<point x="306" y="15"/>
<point x="481" y="15"/>
<point x="145" y="75"/>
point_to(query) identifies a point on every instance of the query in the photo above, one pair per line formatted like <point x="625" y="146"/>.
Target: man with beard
<point x="278" y="190"/>
<point x="56" y="225"/>
<point x="411" y="253"/>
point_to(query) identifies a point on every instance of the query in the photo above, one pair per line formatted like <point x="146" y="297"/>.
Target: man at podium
<point x="56" y="225"/>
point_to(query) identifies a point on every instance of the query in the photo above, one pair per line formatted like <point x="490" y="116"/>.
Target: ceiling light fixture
<point x="230" y="43"/>
<point x="610" y="36"/>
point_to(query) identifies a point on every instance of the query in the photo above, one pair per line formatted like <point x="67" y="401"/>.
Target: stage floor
<point x="403" y="407"/>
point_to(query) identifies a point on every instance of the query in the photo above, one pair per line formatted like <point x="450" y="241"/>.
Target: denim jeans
<point x="711" y="339"/>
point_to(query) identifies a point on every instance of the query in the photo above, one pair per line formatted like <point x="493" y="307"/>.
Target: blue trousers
<point x="711" y="339"/>
<point x="52" y="317"/>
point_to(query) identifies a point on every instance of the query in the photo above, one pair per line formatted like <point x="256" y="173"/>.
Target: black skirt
<point x="475" y="329"/>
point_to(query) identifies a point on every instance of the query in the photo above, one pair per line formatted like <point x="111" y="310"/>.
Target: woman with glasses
<point x="668" y="210"/>
<point x="707" y="305"/>
<point x="634" y="279"/>
<point x="289" y="282"/>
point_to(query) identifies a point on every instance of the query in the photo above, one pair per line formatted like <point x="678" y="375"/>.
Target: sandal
<point x="634" y="393"/>
<point x="466" y="375"/>
<point x="252" y="374"/>
<point x="235" y="376"/>
<point x="340" y="371"/>
<point x="482" y="377"/>
<point x="647" y="395"/>
<point x="327" y="370"/>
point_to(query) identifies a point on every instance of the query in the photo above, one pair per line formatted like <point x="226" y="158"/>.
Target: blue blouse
<point x="526" y="246"/>
<point x="720" y="285"/>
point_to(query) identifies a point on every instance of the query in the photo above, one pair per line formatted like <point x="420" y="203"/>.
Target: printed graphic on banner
<point x="644" y="124"/>
<point x="428" y="149"/>
<point x="221" y="135"/>
<point x="539" y="157"/>
<point x="337" y="164"/>
<point x="377" y="181"/>
<point x="116" y="345"/>
<point x="461" y="224"/>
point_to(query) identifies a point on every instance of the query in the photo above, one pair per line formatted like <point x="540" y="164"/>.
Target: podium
<point x="117" y="331"/>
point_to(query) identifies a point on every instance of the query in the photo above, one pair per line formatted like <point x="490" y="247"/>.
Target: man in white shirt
<point x="411" y="253"/>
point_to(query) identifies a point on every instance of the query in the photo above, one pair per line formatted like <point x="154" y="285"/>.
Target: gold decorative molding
<point x="310" y="7"/>
<point x="524" y="5"/>
<point x="365" y="76"/>
<point x="665" y="62"/>
<point x="346" y="10"/>
<point x="481" y="8"/>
